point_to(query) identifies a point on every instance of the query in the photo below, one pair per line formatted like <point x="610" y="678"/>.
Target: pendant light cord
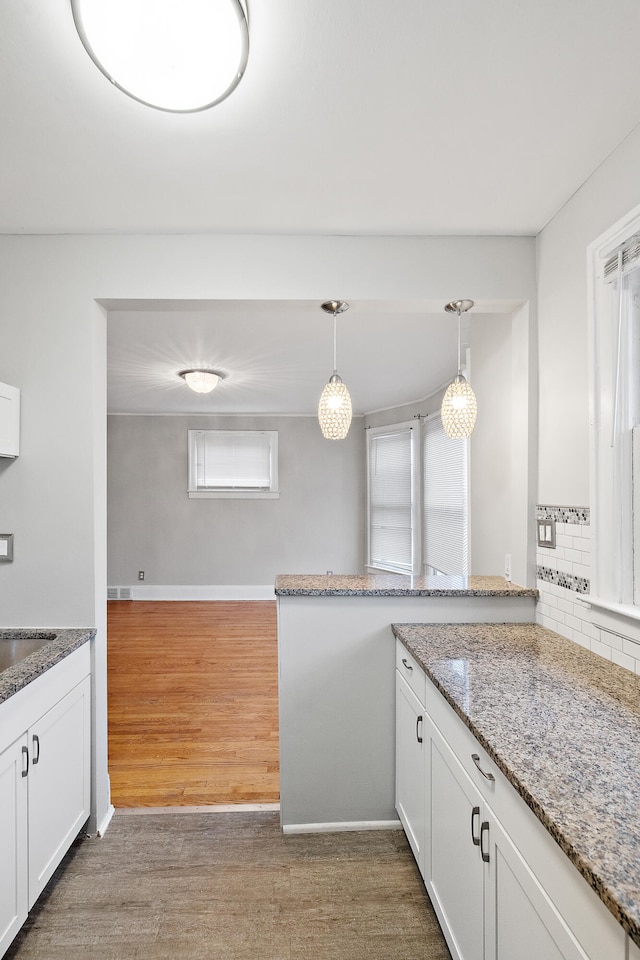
<point x="459" y="366"/>
<point x="335" y="344"/>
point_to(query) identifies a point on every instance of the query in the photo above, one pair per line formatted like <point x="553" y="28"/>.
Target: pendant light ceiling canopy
<point x="334" y="408"/>
<point x="175" y="55"/>
<point x="459" y="406"/>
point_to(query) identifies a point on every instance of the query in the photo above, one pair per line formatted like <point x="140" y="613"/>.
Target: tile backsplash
<point x="564" y="582"/>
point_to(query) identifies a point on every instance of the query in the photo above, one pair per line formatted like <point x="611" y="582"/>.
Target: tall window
<point x="445" y="501"/>
<point x="615" y="398"/>
<point x="233" y="463"/>
<point x="392" y="499"/>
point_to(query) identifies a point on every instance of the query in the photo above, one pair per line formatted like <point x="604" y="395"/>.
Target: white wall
<point x="53" y="347"/>
<point x="316" y="524"/>
<point x="564" y="468"/>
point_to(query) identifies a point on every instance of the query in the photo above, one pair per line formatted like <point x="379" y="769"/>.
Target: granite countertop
<point x="59" y="644"/>
<point x="396" y="585"/>
<point x="563" y="725"/>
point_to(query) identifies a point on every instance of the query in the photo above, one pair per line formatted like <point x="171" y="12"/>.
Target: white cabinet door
<point x="520" y="919"/>
<point x="13" y="841"/>
<point x="59" y="783"/>
<point x="410" y="767"/>
<point x="454" y="872"/>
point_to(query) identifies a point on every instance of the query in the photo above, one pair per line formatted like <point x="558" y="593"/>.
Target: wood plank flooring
<point x="229" y="886"/>
<point x="193" y="703"/>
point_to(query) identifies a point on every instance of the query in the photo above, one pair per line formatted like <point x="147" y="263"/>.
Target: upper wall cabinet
<point x="9" y="420"/>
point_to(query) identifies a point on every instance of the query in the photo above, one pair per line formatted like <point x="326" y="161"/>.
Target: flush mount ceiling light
<point x="175" y="55"/>
<point x="459" y="407"/>
<point x="334" y="409"/>
<point x="201" y="381"/>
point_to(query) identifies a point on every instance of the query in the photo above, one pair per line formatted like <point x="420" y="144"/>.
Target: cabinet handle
<point x="36" y="749"/>
<point x="406" y="664"/>
<point x="484" y="828"/>
<point x="418" y="722"/>
<point x="25" y="765"/>
<point x="475" y="813"/>
<point x="476" y="759"/>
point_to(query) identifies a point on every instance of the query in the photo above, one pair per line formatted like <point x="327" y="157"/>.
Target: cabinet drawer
<point x="409" y="668"/>
<point x="482" y="772"/>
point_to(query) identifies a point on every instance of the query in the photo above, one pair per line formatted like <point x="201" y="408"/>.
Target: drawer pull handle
<point x="25" y="766"/>
<point x="36" y="749"/>
<point x="476" y="838"/>
<point x="484" y="828"/>
<point x="418" y="722"/>
<point x="407" y="665"/>
<point x="476" y="759"/>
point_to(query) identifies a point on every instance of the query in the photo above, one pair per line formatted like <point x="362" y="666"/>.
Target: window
<point x="392" y="500"/>
<point x="445" y="502"/>
<point x="233" y="463"/>
<point x="615" y="402"/>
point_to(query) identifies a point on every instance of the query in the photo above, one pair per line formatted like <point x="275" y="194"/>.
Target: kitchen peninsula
<point x="336" y="684"/>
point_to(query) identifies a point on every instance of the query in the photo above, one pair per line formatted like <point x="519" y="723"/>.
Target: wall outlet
<point x="507" y="566"/>
<point x="140" y="574"/>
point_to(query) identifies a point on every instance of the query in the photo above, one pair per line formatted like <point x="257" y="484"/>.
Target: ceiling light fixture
<point x="459" y="406"/>
<point x="175" y="55"/>
<point x="334" y="408"/>
<point x="201" y="381"/>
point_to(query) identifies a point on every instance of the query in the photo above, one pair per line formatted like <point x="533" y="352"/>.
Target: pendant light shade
<point x="459" y="406"/>
<point x="334" y="408"/>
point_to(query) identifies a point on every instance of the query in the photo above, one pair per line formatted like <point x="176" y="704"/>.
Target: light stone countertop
<point x="64" y="642"/>
<point x="395" y="585"/>
<point x="563" y="725"/>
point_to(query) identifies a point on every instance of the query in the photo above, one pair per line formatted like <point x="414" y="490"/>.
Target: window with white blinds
<point x="391" y="498"/>
<point x="445" y="501"/>
<point x="233" y="463"/>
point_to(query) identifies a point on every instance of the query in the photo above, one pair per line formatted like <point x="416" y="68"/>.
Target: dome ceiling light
<point x="174" y="55"/>
<point x="201" y="381"/>
<point x="459" y="406"/>
<point x="334" y="408"/>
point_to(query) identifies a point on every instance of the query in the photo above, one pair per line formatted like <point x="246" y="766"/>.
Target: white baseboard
<point x="106" y="820"/>
<point x="143" y="591"/>
<point x="341" y="826"/>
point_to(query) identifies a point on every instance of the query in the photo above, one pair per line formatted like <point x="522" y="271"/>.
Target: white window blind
<point x="445" y="513"/>
<point x="233" y="462"/>
<point x="391" y="499"/>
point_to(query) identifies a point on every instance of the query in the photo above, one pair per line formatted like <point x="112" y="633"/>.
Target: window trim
<point x="223" y="493"/>
<point x="608" y="590"/>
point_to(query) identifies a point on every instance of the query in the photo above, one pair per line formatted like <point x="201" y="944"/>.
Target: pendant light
<point x="459" y="406"/>
<point x="334" y="409"/>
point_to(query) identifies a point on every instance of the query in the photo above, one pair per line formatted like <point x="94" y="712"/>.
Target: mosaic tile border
<point x="566" y="580"/>
<point x="580" y="515"/>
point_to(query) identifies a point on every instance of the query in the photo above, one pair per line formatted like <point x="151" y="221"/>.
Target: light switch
<point x="6" y="547"/>
<point x="547" y="534"/>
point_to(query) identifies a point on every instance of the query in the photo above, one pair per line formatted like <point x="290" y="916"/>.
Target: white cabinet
<point x="44" y="782"/>
<point x="410" y="767"/>
<point x="453" y="868"/>
<point x="501" y="887"/>
<point x="489" y="903"/>
<point x="58" y="783"/>
<point x="9" y="420"/>
<point x="13" y="841"/>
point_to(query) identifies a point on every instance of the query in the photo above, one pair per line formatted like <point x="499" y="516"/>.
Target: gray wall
<point x="317" y="524"/>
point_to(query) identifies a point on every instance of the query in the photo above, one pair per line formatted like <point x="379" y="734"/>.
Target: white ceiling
<point x="419" y="118"/>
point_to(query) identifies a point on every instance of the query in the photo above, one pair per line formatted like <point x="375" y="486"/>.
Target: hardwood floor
<point x="193" y="703"/>
<point x="229" y="886"/>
